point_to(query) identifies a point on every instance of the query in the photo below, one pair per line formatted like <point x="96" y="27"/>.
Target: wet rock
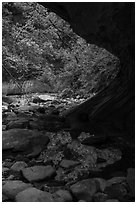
<point x="63" y="195"/>
<point x="12" y="188"/>
<point x="68" y="163"/>
<point x="34" y="195"/>
<point x="19" y="165"/>
<point x="38" y="173"/>
<point x="117" y="191"/>
<point x="100" y="197"/>
<point x="118" y="174"/>
<point x="20" y="123"/>
<point x="84" y="190"/>
<point x="131" y="180"/>
<point x="43" y="98"/>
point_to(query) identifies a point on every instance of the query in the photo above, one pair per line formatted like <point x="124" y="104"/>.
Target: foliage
<point x="39" y="45"/>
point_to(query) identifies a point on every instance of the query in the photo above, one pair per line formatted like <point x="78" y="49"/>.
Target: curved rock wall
<point x="109" y="25"/>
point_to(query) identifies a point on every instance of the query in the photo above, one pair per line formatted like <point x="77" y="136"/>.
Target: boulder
<point x="62" y="196"/>
<point x="34" y="195"/>
<point x="68" y="163"/>
<point x="24" y="140"/>
<point x="19" y="165"/>
<point x="12" y="188"/>
<point x="84" y="190"/>
<point x="38" y="173"/>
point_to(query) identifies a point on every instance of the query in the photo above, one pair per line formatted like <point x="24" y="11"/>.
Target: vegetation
<point x="41" y="53"/>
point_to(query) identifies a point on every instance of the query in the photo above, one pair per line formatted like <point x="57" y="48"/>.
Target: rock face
<point x="109" y="25"/>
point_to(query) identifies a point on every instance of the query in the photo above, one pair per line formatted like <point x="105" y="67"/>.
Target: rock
<point x="41" y="110"/>
<point x="38" y="173"/>
<point x="68" y="163"/>
<point x="11" y="118"/>
<point x="27" y="108"/>
<point x="66" y="93"/>
<point x="4" y="169"/>
<point x="12" y="188"/>
<point x="20" y="123"/>
<point x="11" y="114"/>
<point x="19" y="165"/>
<point x="84" y="190"/>
<point x="43" y="98"/>
<point x="4" y="107"/>
<point x="23" y="140"/>
<point x="8" y="100"/>
<point x="11" y="177"/>
<point x="81" y="201"/>
<point x="117" y="191"/>
<point x="112" y="200"/>
<point x="37" y="100"/>
<point x="100" y="197"/>
<point x="131" y="180"/>
<point x="15" y="138"/>
<point x="63" y="195"/>
<point x="115" y="180"/>
<point x="7" y="164"/>
<point x="118" y="174"/>
<point x="47" y="97"/>
<point x="3" y="127"/>
<point x="34" y="195"/>
<point x="36" y="125"/>
<point x="101" y="183"/>
<point x="4" y="198"/>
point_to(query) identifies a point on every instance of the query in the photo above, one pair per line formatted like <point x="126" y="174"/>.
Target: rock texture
<point x="109" y="25"/>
